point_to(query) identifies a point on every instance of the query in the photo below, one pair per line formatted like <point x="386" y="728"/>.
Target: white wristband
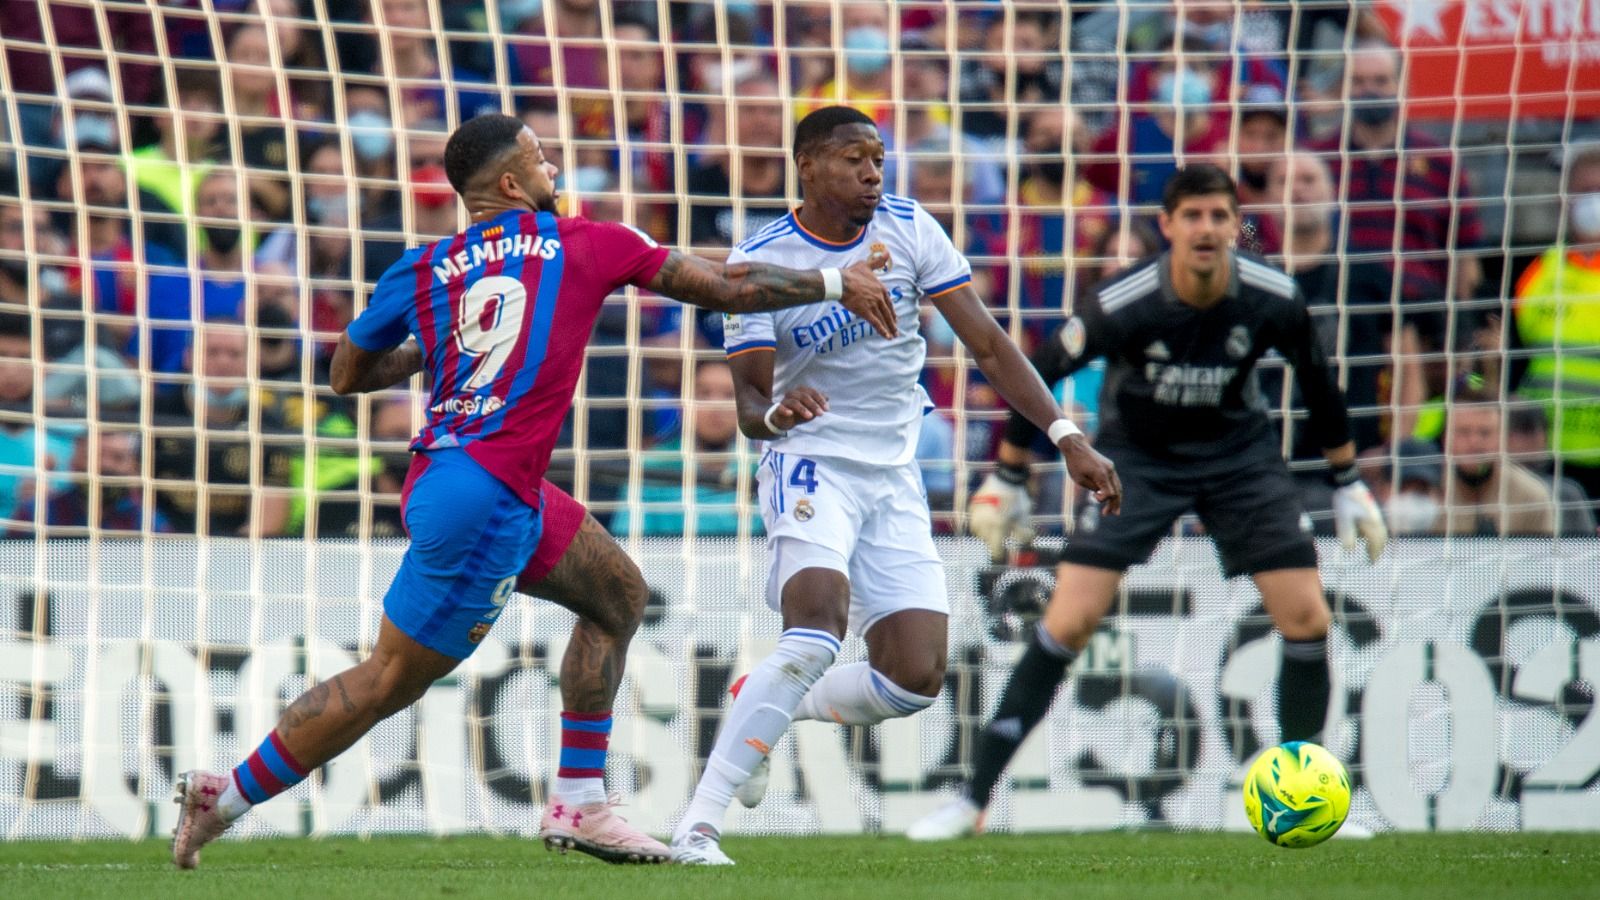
<point x="832" y="284"/>
<point x="767" y="419"/>
<point x="1062" y="428"/>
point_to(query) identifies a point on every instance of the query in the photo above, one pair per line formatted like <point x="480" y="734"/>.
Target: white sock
<point x="856" y="695"/>
<point x="756" y="719"/>
<point x="581" y="791"/>
<point x="233" y="803"/>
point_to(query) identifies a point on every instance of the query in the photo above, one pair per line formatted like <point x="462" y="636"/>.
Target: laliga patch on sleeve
<point x="732" y="324"/>
<point x="1074" y="337"/>
<point x="650" y="241"/>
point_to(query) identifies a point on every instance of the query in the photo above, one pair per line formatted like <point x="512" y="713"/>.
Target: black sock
<point x="1303" y="688"/>
<point x="1026" y="699"/>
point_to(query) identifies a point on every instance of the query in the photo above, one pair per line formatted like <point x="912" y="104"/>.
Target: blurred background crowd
<point x="195" y="198"/>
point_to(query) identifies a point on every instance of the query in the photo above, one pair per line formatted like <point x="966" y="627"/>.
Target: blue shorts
<point x="471" y="536"/>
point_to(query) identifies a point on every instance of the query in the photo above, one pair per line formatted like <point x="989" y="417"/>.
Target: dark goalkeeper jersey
<point x="1180" y="381"/>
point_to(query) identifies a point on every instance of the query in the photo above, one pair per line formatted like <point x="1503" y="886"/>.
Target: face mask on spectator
<point x="231" y="400"/>
<point x="327" y="210"/>
<point x="371" y="134"/>
<point x="514" y="12"/>
<point x="95" y="131"/>
<point x="1215" y="35"/>
<point x="1583" y="212"/>
<point x="866" y="50"/>
<point x="1196" y="89"/>
<point x="1052" y="170"/>
<point x="432" y="186"/>
<point x="940" y="334"/>
<point x="1410" y="513"/>
<point x="222" y="238"/>
<point x="589" y="179"/>
<point x="1375" y="109"/>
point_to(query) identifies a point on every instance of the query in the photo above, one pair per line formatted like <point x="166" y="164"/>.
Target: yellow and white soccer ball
<point x="1297" y="794"/>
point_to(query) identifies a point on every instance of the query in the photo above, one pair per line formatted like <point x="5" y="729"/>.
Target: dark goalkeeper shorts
<point x="1249" y="505"/>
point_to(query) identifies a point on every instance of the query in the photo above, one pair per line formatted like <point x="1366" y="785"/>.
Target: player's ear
<point x="1164" y="221"/>
<point x="510" y="189"/>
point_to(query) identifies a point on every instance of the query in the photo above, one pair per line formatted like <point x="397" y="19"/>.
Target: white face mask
<point x="1583" y="212"/>
<point x="1410" y="513"/>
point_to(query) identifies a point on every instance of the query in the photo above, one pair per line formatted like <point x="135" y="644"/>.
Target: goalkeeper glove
<point x="1001" y="509"/>
<point x="1356" y="513"/>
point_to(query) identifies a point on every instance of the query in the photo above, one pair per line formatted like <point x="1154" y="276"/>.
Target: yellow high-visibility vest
<point x="1558" y="319"/>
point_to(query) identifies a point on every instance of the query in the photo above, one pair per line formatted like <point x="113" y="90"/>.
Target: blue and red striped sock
<point x="268" y="772"/>
<point x="580" y="777"/>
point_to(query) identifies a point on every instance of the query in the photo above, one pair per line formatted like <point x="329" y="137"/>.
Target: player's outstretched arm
<point x="1355" y="513"/>
<point x="750" y="287"/>
<point x="760" y="418"/>
<point x="354" y="370"/>
<point x="1019" y="384"/>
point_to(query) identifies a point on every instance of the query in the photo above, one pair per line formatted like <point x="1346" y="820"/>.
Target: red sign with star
<point x="1498" y="58"/>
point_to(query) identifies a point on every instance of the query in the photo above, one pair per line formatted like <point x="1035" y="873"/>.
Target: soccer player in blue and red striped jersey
<point x="499" y="316"/>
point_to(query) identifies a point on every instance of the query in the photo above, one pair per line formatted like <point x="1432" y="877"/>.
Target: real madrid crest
<point x="803" y="510"/>
<point x="478" y="632"/>
<point x="888" y="261"/>
<point x="1238" y="344"/>
<point x="1074" y="337"/>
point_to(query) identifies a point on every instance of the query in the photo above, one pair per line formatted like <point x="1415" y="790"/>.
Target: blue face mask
<point x="95" y="131"/>
<point x="1216" y="35"/>
<point x="514" y="12"/>
<point x="371" y="133"/>
<point x="866" y="50"/>
<point x="587" y="179"/>
<point x="1196" y="89"/>
<point x="327" y="210"/>
<point x="231" y="400"/>
<point x="938" y="331"/>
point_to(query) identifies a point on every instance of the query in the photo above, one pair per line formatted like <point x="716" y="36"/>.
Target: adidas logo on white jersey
<point x="1158" y="351"/>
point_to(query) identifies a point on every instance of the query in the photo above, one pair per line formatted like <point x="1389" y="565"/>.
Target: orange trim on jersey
<point x="819" y="238"/>
<point x="751" y="350"/>
<point x="1586" y="260"/>
<point x="1528" y="274"/>
<point x="967" y="283"/>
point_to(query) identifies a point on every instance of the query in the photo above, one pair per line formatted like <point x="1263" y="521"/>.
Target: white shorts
<point x="868" y="521"/>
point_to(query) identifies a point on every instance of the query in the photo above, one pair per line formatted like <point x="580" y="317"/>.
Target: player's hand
<point x="866" y="296"/>
<point x="1093" y="472"/>
<point x="801" y="404"/>
<point x="1355" y="512"/>
<point x="1000" y="509"/>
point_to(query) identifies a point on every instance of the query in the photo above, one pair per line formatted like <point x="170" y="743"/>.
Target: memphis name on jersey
<point x="494" y="250"/>
<point x="875" y="400"/>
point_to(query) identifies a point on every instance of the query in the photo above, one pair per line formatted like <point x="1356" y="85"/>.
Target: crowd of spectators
<point x="242" y="171"/>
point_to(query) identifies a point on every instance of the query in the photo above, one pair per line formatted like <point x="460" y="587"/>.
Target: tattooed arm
<point x="750" y="287"/>
<point x="354" y="370"/>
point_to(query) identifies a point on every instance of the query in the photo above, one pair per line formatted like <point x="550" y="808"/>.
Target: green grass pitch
<point x="1077" y="866"/>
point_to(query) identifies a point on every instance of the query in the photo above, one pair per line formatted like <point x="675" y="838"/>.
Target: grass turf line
<point x="1104" y="865"/>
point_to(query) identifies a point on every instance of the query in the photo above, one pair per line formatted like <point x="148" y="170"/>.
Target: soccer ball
<point x="1297" y="794"/>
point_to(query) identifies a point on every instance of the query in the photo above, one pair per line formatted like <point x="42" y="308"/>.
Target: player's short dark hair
<point x="1198" y="180"/>
<point x="477" y="143"/>
<point x="817" y="127"/>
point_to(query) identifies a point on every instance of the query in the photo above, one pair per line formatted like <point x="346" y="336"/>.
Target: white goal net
<point x="196" y="197"/>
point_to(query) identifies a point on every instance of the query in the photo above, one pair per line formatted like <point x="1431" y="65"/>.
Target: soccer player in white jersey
<point x="847" y="519"/>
